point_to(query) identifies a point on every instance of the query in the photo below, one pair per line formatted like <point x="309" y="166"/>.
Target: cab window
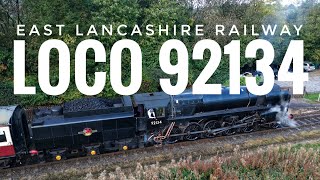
<point x="161" y="112"/>
<point x="3" y="137"/>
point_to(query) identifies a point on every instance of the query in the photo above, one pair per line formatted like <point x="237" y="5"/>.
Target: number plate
<point x="156" y="123"/>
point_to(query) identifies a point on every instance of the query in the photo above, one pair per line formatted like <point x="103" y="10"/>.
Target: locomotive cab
<point x="152" y="109"/>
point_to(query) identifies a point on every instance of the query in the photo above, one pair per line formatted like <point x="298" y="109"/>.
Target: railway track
<point x="306" y="122"/>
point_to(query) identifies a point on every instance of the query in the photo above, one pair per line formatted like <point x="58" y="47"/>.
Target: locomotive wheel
<point x="250" y="128"/>
<point x="210" y="125"/>
<point x="175" y="130"/>
<point x="192" y="127"/>
<point x="276" y="125"/>
<point x="229" y="131"/>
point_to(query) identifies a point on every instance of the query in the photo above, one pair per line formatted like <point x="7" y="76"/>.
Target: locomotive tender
<point x="94" y="125"/>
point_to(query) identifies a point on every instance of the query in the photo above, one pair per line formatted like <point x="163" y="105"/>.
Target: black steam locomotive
<point x="94" y="125"/>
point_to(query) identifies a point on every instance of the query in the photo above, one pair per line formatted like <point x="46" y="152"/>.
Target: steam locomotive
<point x="92" y="126"/>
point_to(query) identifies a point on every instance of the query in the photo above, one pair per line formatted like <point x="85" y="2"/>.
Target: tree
<point x="310" y="34"/>
<point x="9" y="18"/>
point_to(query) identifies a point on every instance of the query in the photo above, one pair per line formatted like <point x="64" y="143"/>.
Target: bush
<point x="243" y="81"/>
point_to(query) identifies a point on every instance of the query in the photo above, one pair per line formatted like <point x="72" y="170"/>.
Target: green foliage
<point x="243" y="81"/>
<point x="141" y="13"/>
<point x="311" y="34"/>
<point x="7" y="94"/>
<point x="315" y="97"/>
<point x="6" y="62"/>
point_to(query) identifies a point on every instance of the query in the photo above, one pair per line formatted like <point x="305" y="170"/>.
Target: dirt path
<point x="314" y="73"/>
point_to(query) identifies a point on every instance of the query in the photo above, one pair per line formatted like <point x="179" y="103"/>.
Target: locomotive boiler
<point x="92" y="126"/>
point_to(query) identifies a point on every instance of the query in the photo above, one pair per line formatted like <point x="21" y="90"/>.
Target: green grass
<point x="314" y="146"/>
<point x="312" y="97"/>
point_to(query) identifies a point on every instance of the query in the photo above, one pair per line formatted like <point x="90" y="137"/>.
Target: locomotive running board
<point x="219" y="113"/>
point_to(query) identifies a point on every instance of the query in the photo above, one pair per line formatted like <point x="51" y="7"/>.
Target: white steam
<point x="282" y="115"/>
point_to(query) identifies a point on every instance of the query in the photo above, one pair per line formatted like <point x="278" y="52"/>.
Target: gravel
<point x="298" y="103"/>
<point x="311" y="86"/>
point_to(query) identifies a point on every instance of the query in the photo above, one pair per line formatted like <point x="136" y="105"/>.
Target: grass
<point x="237" y="161"/>
<point x="298" y="161"/>
<point x="283" y="162"/>
<point x="312" y="97"/>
